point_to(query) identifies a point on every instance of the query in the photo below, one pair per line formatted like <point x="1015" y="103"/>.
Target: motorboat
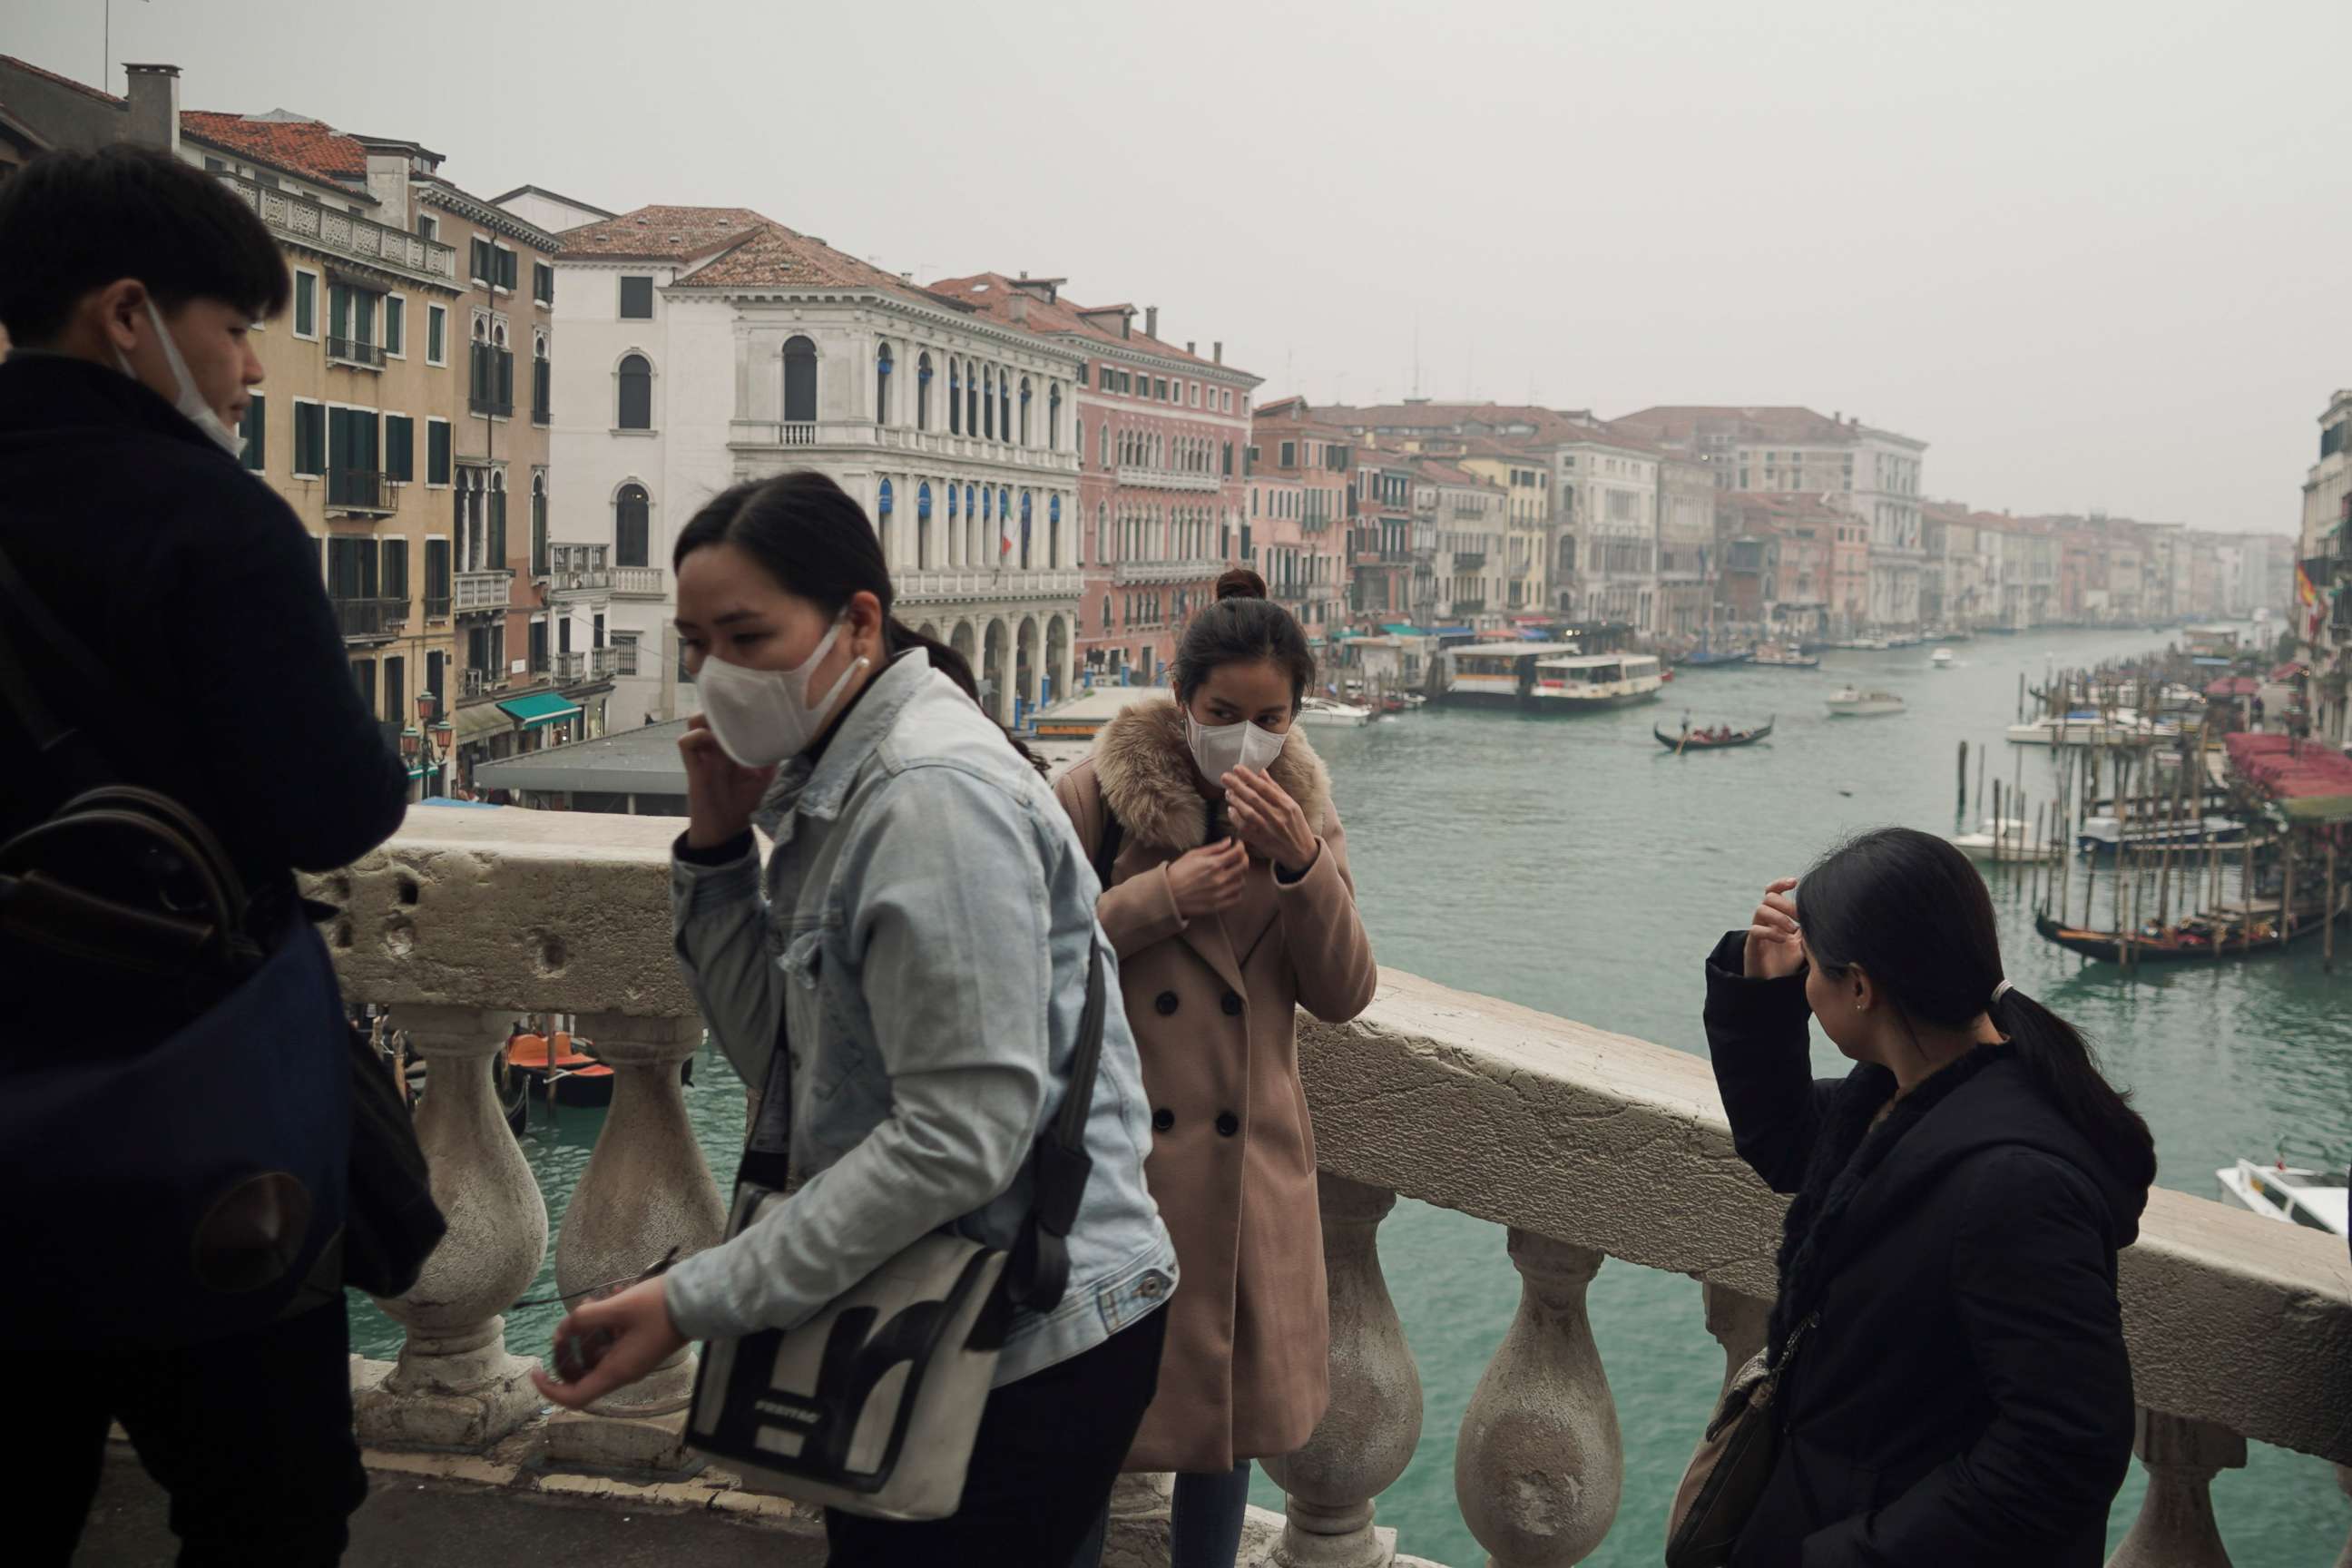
<point x="2007" y="841"/>
<point x="1549" y="678"/>
<point x="2317" y="1200"/>
<point x="1941" y="659"/>
<point x="2102" y="834"/>
<point x="1783" y="655"/>
<point x="1853" y="702"/>
<point x="1322" y="712"/>
<point x="2091" y="727"/>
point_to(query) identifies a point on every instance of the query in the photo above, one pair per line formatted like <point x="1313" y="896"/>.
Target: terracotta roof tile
<point x="1680" y="422"/>
<point x="311" y="148"/>
<point x="992" y="294"/>
<point x="771" y="254"/>
<point x="661" y="234"/>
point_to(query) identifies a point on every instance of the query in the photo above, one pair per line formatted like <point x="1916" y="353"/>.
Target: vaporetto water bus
<point x="1549" y="678"/>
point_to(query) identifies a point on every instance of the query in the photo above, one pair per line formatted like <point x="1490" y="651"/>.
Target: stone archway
<point x="1028" y="662"/>
<point x="996" y="672"/>
<point x="928" y="630"/>
<point x="960" y="639"/>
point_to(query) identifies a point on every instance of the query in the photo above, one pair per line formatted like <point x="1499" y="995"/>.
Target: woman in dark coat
<point x="1961" y="1395"/>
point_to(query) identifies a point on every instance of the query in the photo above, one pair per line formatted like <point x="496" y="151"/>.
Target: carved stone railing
<point x="1588" y="1147"/>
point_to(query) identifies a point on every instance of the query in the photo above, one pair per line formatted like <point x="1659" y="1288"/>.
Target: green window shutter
<point x="306" y="305"/>
<point x="399" y="447"/>
<point x="437" y="452"/>
<point x="256" y="431"/>
<point x="395" y="324"/>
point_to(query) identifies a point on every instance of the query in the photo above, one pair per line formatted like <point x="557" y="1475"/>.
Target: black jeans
<point x="251" y="1435"/>
<point x="1048" y="1450"/>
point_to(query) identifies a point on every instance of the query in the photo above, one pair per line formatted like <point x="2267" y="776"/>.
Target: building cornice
<point x="939" y="317"/>
<point x="474" y="210"/>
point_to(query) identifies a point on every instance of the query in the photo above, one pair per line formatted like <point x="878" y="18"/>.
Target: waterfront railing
<point x="1588" y="1147"/>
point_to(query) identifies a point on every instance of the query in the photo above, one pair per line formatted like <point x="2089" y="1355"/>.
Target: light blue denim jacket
<point x="924" y="933"/>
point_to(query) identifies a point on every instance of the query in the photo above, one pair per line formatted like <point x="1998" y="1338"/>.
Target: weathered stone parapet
<point x="1572" y="1137"/>
<point x="1621" y="1145"/>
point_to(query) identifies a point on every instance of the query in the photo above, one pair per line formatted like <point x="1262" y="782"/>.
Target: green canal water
<point x="1574" y="867"/>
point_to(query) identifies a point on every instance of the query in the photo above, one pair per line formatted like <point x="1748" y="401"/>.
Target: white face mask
<point x="763" y="716"/>
<point x="189" y="401"/>
<point x="1219" y="749"/>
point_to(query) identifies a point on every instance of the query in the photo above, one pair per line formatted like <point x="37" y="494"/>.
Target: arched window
<point x="1105" y="444"/>
<point x="1025" y="411"/>
<point x="1106" y="612"/>
<point x="970" y="401"/>
<point x="1024" y="530"/>
<point x="800" y="382"/>
<point x="882" y="499"/>
<point x="1053" y="532"/>
<point x="494" y="557"/>
<point x="1103" y="540"/>
<point x="636" y="396"/>
<point x="988" y="397"/>
<point x="882" y="384"/>
<point x="539" y="566"/>
<point x="951" y="501"/>
<point x="955" y="398"/>
<point x="1054" y="418"/>
<point x="632" y="526"/>
<point x="922" y="391"/>
<point x="1004" y="401"/>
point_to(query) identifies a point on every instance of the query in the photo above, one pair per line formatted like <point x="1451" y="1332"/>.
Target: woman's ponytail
<point x="2064" y="1068"/>
<point x="897" y="637"/>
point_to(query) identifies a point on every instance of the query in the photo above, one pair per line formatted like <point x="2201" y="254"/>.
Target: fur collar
<point x="1144" y="764"/>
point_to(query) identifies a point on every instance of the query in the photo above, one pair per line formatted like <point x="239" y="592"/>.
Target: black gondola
<point x="1691" y="740"/>
<point x="2194" y="940"/>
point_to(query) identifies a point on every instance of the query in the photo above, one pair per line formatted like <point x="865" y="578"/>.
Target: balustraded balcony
<point x="1592" y="1151"/>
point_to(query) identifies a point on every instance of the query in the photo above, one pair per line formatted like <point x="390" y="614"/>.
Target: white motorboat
<point x="1853" y="702"/>
<point x="1581" y="682"/>
<point x="2007" y="841"/>
<point x="1322" y="712"/>
<point x="2088" y="727"/>
<point x="1941" y="658"/>
<point x="2317" y="1200"/>
<point x="2101" y="833"/>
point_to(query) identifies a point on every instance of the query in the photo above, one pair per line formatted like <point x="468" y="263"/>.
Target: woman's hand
<point x="722" y="794"/>
<point x="1269" y="821"/>
<point x="621" y="1339"/>
<point x="1775" y="948"/>
<point x="1208" y="879"/>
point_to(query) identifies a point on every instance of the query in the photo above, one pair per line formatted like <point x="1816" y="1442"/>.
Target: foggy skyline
<point x="2085" y="251"/>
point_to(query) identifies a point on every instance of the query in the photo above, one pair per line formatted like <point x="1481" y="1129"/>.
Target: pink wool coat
<point x="1213" y="1002"/>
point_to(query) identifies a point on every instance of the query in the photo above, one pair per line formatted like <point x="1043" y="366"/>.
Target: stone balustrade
<point x="1590" y="1147"/>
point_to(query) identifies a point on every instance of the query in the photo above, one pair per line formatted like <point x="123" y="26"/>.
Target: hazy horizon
<point x="2087" y="255"/>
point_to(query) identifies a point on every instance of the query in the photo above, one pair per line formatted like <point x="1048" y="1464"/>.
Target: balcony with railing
<point x="291" y="215"/>
<point x="361" y="492"/>
<point x="579" y="570"/>
<point x="950" y="586"/>
<point x="582" y="666"/>
<point x="1137" y="477"/>
<point x="1469" y="607"/>
<point x="638" y="582"/>
<point x="1592" y="1150"/>
<point x="489" y="403"/>
<point x="356" y="353"/>
<point x="482" y="590"/>
<point x="437" y="607"/>
<point x="474" y="681"/>
<point x="1469" y="560"/>
<point x="1142" y="574"/>
<point x="754" y="437"/>
<point x="369" y="619"/>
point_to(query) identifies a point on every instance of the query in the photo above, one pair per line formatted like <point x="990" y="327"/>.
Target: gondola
<point x="1691" y="741"/>
<point x="2193" y="941"/>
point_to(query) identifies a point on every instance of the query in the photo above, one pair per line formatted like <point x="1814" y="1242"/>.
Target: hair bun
<point x="1240" y="582"/>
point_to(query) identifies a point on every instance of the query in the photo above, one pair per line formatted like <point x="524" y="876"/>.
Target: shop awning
<point x="478" y="723"/>
<point x="542" y="709"/>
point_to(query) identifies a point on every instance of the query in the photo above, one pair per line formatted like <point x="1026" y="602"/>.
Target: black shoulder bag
<point x="198" y="1185"/>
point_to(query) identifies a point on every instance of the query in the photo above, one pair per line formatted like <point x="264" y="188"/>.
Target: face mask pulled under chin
<point x="187" y="398"/>
<point x="1219" y="749"/>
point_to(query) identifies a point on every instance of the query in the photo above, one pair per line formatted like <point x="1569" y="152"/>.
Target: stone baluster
<point x="1138" y="1535"/>
<point x="1739" y="1324"/>
<point x="1367" y="1435"/>
<point x="645" y="1191"/>
<point x="2344" y="1479"/>
<point x="455" y="1387"/>
<point x="1540" y="1465"/>
<point x="2174" y="1528"/>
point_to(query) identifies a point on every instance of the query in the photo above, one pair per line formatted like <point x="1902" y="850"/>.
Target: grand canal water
<point x="1574" y="867"/>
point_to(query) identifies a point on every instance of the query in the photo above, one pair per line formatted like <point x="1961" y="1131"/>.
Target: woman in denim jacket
<point x="921" y="949"/>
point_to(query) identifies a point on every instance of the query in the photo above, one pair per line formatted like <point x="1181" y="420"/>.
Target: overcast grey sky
<point x="2096" y="252"/>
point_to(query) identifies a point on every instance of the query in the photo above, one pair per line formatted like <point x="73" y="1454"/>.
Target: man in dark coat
<point x="128" y="284"/>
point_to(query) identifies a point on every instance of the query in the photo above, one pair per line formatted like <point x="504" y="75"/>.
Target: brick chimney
<point x="1020" y="303"/>
<point x="1151" y="320"/>
<point x="387" y="181"/>
<point x="1217" y="351"/>
<point x="154" y="96"/>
